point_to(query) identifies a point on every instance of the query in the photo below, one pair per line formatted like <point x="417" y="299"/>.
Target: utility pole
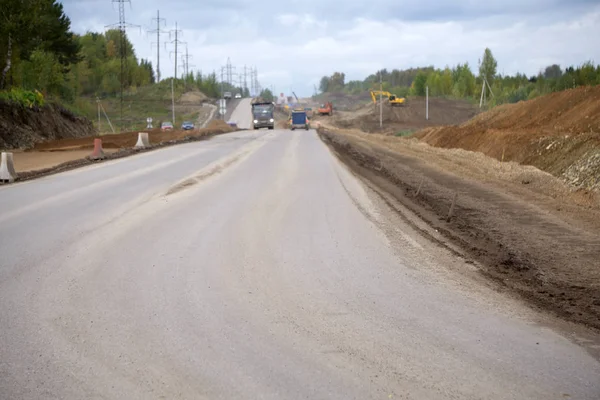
<point x="245" y="89"/>
<point x="176" y="42"/>
<point x="122" y="25"/>
<point x="230" y="72"/>
<point x="173" y="100"/>
<point x="380" y="101"/>
<point x="186" y="61"/>
<point x="158" y="31"/>
<point x="222" y="89"/>
<point x="427" y="103"/>
<point x="256" y="84"/>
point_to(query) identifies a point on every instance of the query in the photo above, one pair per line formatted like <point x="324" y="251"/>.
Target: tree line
<point x="461" y="82"/>
<point x="38" y="51"/>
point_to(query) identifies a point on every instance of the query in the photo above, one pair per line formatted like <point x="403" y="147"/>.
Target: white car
<point x="238" y="96"/>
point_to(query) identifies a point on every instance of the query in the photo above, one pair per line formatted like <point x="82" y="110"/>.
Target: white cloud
<point x="296" y="49"/>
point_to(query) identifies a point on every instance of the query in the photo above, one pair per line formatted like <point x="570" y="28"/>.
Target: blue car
<point x="187" y="126"/>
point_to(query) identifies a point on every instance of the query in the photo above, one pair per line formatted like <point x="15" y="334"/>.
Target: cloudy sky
<point x="294" y="43"/>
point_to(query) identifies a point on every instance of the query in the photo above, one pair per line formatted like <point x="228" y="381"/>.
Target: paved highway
<point x="250" y="266"/>
<point x="242" y="114"/>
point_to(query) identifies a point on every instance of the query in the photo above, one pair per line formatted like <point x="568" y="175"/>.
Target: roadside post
<point x="222" y="107"/>
<point x="427" y="103"/>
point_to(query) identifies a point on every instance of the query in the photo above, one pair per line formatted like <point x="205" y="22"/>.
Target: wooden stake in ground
<point x="420" y="187"/>
<point x="451" y="212"/>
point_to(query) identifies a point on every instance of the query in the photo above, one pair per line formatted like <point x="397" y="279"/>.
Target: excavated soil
<point x="410" y="117"/>
<point x="129" y="139"/>
<point x="525" y="229"/>
<point x="22" y="127"/>
<point x="558" y="133"/>
<point x="343" y="101"/>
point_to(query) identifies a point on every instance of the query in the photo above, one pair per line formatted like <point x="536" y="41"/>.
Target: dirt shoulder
<point x="63" y="155"/>
<point x="525" y="229"/>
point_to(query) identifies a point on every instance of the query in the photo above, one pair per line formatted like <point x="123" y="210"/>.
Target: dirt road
<point x="253" y="265"/>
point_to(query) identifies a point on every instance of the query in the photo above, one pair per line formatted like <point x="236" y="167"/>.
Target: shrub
<point x="25" y="98"/>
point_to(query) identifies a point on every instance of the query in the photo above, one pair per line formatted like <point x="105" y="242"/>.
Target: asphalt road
<point x="242" y="114"/>
<point x="250" y="266"/>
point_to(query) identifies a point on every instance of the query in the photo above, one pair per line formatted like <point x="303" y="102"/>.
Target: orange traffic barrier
<point x="98" y="153"/>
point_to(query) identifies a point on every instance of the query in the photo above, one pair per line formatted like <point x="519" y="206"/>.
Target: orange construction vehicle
<point x="326" y="109"/>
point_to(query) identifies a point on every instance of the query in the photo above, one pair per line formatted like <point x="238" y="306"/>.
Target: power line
<point x="245" y="88"/>
<point x="186" y="61"/>
<point x="122" y="25"/>
<point x="229" y="72"/>
<point x="176" y="42"/>
<point x="158" y="31"/>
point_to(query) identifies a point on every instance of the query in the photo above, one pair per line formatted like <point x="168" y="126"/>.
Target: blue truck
<point x="299" y="120"/>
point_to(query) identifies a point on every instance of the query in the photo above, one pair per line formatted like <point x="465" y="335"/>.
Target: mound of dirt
<point x="558" y="133"/>
<point x="195" y="97"/>
<point x="22" y="127"/>
<point x="344" y="101"/>
<point x="219" y="124"/>
<point x="411" y="116"/>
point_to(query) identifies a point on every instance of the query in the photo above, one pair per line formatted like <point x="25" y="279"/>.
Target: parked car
<point x="238" y="96"/>
<point x="166" y="126"/>
<point x="187" y="126"/>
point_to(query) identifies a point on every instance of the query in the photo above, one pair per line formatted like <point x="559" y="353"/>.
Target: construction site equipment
<point x="393" y="99"/>
<point x="326" y="109"/>
<point x="299" y="120"/>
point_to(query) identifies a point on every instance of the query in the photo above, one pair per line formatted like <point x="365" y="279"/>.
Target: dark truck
<point x="262" y="114"/>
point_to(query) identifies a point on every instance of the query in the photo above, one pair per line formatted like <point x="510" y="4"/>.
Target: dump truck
<point x="262" y="115"/>
<point x="393" y="99"/>
<point x="299" y="120"/>
<point x="326" y="109"/>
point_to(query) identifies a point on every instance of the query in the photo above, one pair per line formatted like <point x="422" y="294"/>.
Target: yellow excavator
<point x="394" y="101"/>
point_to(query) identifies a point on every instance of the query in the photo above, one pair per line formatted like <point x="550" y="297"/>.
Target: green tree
<point x="464" y="81"/>
<point x="488" y="66"/>
<point x="324" y="84"/>
<point x="446" y="82"/>
<point x="30" y="25"/>
<point x="419" y="84"/>
<point x="337" y="82"/>
<point x="267" y="95"/>
<point x="553" y="72"/>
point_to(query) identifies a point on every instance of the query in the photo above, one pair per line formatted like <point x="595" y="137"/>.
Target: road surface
<point x="242" y="114"/>
<point x="250" y="266"/>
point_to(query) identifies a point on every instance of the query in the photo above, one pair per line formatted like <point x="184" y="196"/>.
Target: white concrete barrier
<point x="142" y="141"/>
<point x="7" y="168"/>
